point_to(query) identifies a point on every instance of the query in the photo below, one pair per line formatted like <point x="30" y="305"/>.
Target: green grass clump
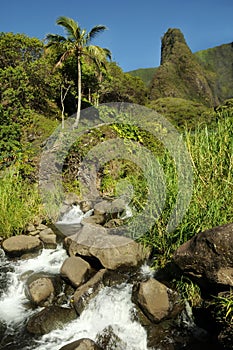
<point x="223" y="304"/>
<point x="19" y="205"/>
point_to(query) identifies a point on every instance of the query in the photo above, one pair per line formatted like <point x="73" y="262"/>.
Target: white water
<point x="74" y="216"/>
<point x="13" y="303"/>
<point x="111" y="307"/>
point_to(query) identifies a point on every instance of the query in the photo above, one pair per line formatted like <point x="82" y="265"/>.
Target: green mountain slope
<point x="218" y="61"/>
<point x="146" y="74"/>
<point x="180" y="73"/>
<point x="205" y="76"/>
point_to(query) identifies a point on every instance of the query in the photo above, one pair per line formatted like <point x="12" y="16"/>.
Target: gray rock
<point x="76" y="270"/>
<point x="48" y="237"/>
<point x="41" y="290"/>
<point x="50" y="318"/>
<point x="208" y="257"/>
<point x="88" y="291"/>
<point x="81" y="344"/>
<point x="111" y="251"/>
<point x="19" y="245"/>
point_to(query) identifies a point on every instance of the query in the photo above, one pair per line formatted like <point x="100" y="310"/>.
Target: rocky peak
<point x="173" y="42"/>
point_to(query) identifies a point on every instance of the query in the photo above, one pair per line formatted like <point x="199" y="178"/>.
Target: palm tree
<point x="77" y="43"/>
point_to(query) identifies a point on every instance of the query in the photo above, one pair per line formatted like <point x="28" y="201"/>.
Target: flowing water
<point x="112" y="307"/>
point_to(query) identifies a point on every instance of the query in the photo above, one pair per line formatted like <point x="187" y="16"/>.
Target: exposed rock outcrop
<point x="111" y="251"/>
<point x="208" y="257"/>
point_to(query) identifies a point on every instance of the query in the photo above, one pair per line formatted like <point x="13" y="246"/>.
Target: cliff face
<point x="218" y="61"/>
<point x="181" y="73"/>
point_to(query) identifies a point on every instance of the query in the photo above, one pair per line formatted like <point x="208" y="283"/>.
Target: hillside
<point x="180" y="73"/>
<point x="219" y="62"/>
<point x="146" y="74"/>
<point x="205" y="76"/>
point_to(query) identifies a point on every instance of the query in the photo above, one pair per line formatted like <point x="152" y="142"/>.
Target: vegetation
<point x="77" y="44"/>
<point x="20" y="203"/>
<point x="34" y="97"/>
<point x="146" y="74"/>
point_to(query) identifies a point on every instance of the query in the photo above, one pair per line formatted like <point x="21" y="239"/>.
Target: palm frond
<point x="95" y="31"/>
<point x="71" y="27"/>
<point x="54" y="39"/>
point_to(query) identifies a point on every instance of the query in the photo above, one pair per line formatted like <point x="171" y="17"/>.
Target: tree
<point x="77" y="43"/>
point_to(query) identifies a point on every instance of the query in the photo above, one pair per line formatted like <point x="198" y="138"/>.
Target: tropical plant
<point x="77" y="44"/>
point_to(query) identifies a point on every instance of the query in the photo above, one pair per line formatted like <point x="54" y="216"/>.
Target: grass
<point x="19" y="205"/>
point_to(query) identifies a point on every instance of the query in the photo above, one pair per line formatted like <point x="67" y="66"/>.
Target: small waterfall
<point x="13" y="303"/>
<point x="111" y="307"/>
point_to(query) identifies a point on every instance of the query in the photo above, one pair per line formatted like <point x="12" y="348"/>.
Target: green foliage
<point x="223" y="305"/>
<point x="188" y="291"/>
<point x="122" y="87"/>
<point x="180" y="73"/>
<point x="217" y="62"/>
<point x="19" y="205"/>
<point x="181" y="112"/>
<point x="146" y="74"/>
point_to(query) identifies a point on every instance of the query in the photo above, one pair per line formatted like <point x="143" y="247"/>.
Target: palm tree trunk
<point x="79" y="92"/>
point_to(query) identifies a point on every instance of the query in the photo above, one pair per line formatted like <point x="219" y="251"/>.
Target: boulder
<point x="81" y="344"/>
<point x="208" y="257"/>
<point x="18" y="245"/>
<point x="153" y="298"/>
<point x="50" y="318"/>
<point x="111" y="251"/>
<point x="88" y="291"/>
<point x="48" y="237"/>
<point x="110" y="209"/>
<point x="41" y="290"/>
<point x="76" y="270"/>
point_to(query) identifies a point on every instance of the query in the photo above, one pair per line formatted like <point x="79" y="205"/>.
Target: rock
<point x="41" y="227"/>
<point x="71" y="198"/>
<point x="85" y="206"/>
<point x="48" y="237"/>
<point x="208" y="257"/>
<point x="94" y="219"/>
<point x="34" y="233"/>
<point x="19" y="245"/>
<point x="114" y="223"/>
<point x="41" y="290"/>
<point x="88" y="291"/>
<point x="111" y="251"/>
<point x="153" y="299"/>
<point x="50" y="318"/>
<point x="82" y="344"/>
<point x="76" y="270"/>
<point x="107" y="339"/>
<point x="110" y="209"/>
<point x="30" y="228"/>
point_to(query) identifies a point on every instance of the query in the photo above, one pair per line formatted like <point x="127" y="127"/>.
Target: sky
<point x="135" y="27"/>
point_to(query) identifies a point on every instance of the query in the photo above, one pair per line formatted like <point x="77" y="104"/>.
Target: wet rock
<point x="208" y="257"/>
<point x="19" y="245"/>
<point x="94" y="219"/>
<point x="82" y="344"/>
<point x="85" y="206"/>
<point x="111" y="251"/>
<point x="48" y="237"/>
<point x="50" y="318"/>
<point x="225" y="337"/>
<point x="41" y="289"/>
<point x="76" y="270"/>
<point x="107" y="339"/>
<point x="110" y="209"/>
<point x="88" y="291"/>
<point x="154" y="299"/>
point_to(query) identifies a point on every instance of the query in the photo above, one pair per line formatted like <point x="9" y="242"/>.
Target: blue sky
<point x="135" y="27"/>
